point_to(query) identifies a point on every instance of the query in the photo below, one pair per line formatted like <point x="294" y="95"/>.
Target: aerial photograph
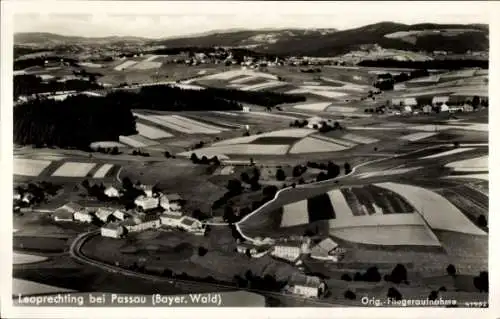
<point x="232" y="161"/>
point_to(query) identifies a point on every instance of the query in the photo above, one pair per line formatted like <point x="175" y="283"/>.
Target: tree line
<point x="31" y="84"/>
<point x="40" y="61"/>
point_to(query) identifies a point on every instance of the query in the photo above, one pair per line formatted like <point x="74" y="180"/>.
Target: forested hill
<point x="456" y="38"/>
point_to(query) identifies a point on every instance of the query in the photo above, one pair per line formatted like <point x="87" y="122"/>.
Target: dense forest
<point x="263" y="98"/>
<point x="447" y="64"/>
<point x="31" y="84"/>
<point x="72" y="123"/>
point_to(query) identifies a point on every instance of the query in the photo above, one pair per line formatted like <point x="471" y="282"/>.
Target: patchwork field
<point x="470" y="165"/>
<point x="181" y="124"/>
<point x="417" y="136"/>
<point x="71" y="169"/>
<point x="446" y="153"/>
<point x="151" y="132"/>
<point x="136" y="141"/>
<point x="29" y="167"/>
<point x="320" y="106"/>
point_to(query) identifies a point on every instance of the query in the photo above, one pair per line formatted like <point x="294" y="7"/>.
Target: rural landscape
<point x="280" y="168"/>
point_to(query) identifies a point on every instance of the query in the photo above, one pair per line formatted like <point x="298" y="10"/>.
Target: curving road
<point x="75" y="252"/>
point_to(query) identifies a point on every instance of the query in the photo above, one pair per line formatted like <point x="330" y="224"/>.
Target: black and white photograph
<point x="245" y="154"/>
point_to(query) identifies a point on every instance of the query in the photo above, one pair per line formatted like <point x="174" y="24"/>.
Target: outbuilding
<point x="113" y="230"/>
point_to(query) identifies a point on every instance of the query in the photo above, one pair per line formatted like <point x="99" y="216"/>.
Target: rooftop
<point x="173" y="197"/>
<point x="113" y="226"/>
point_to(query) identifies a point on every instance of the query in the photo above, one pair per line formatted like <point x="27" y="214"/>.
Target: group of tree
<point x="332" y="170"/>
<point x="27" y="84"/>
<point x="280" y="174"/>
<point x="371" y="275"/>
<point x="95" y="190"/>
<point x="40" y="61"/>
<point x="138" y="152"/>
<point x="214" y="160"/>
<point x="378" y="110"/>
<point x="325" y="127"/>
<point x="130" y="192"/>
<point x="234" y="188"/>
<point x="252" y="281"/>
<point x="398" y="275"/>
<point x="167" y="154"/>
<point x="299" y="124"/>
<point x="40" y="192"/>
<point x="75" y="122"/>
<point x="253" y="180"/>
<point x="481" y="282"/>
<point x="298" y="170"/>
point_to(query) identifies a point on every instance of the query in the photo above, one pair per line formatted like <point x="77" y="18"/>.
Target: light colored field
<point x="90" y="65"/>
<point x="359" y="138"/>
<point x="417" y="136"/>
<point x="26" y="287"/>
<point x="484" y="177"/>
<point x="342" y="210"/>
<point x="438" y="212"/>
<point x="146" y="65"/>
<point x="295" y="214"/>
<point x="151" y="58"/>
<point x="319" y="88"/>
<point x="336" y="141"/>
<point x="103" y="170"/>
<point x="329" y="94"/>
<point x="29" y="167"/>
<point x="240" y="149"/>
<point x="483" y="127"/>
<point x="389" y="172"/>
<point x="294" y="132"/>
<point x="243" y="80"/>
<point x="227" y="75"/>
<point x="188" y="86"/>
<point x="314" y="145"/>
<point x="151" y="132"/>
<point x="372" y="128"/>
<point x="335" y="108"/>
<point x="270" y="114"/>
<point x="376" y="220"/>
<point x="462" y="74"/>
<point x="136" y="141"/>
<point x="320" y="106"/>
<point x="188" y="126"/>
<point x="73" y="169"/>
<point x="238" y="140"/>
<point x="476" y="164"/>
<point x="401" y="235"/>
<point x="20" y="259"/>
<point x="446" y="153"/>
<point x="262" y="86"/>
<point x="125" y="65"/>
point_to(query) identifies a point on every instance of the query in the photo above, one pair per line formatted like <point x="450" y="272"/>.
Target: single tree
<point x="280" y="175"/>
<point x="451" y="270"/>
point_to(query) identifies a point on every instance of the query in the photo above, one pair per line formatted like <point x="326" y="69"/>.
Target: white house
<point x="82" y="216"/>
<point x="63" y="215"/>
<point x="246" y="109"/>
<point x="427" y="109"/>
<point x="407" y="109"/>
<point x="104" y="213"/>
<point x="27" y="198"/>
<point x="327" y="249"/>
<point x="72" y="207"/>
<point x="438" y="100"/>
<point x="315" y="122"/>
<point x="148" y="190"/>
<point x="113" y="230"/>
<point x="111" y="191"/>
<point x="307" y="286"/>
<point x="191" y="224"/>
<point x="16" y="195"/>
<point x="287" y="251"/>
<point x="120" y="214"/>
<point x="142" y="222"/>
<point x="444" y="108"/>
<point x="146" y="203"/>
<point x="171" y="218"/>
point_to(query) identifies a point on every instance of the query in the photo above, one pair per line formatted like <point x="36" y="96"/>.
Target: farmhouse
<point x="327" y="249"/>
<point x="82" y="216"/>
<point x="104" y="214"/>
<point x="427" y="109"/>
<point x="287" y="251"/>
<point x="146" y="203"/>
<point x="27" y="198"/>
<point x="170" y="218"/>
<point x="404" y="102"/>
<point x="148" y="190"/>
<point x="307" y="286"/>
<point x="192" y="225"/>
<point x="246" y="109"/>
<point x="16" y="195"/>
<point x="111" y="191"/>
<point x="120" y="214"/>
<point x="113" y="230"/>
<point x="444" y="108"/>
<point x="63" y="215"/>
<point x="141" y="222"/>
<point x="171" y="202"/>
<point x="438" y="100"/>
<point x="72" y="207"/>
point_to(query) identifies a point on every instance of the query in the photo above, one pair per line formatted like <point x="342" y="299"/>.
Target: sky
<point x="159" y="20"/>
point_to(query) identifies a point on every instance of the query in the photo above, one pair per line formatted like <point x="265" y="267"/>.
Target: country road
<point x="75" y="252"/>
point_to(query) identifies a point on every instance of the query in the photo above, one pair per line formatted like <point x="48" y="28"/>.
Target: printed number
<point x="477" y="304"/>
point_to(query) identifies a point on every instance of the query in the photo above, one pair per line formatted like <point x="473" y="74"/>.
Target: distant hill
<point x="330" y="42"/>
<point x="51" y="39"/>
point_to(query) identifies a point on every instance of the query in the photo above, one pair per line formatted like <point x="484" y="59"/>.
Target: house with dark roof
<point x="307" y="286"/>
